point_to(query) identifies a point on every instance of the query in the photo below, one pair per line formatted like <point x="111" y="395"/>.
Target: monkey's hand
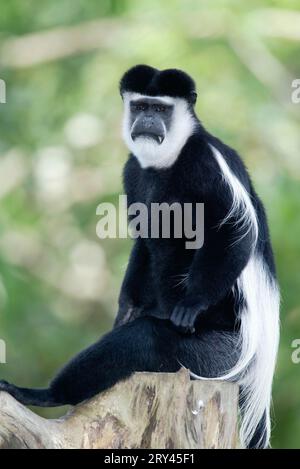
<point x="185" y="313"/>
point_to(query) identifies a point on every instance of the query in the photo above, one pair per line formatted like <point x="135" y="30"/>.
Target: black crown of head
<point x="150" y="81"/>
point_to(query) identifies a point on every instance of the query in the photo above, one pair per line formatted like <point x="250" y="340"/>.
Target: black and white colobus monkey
<point x="214" y="310"/>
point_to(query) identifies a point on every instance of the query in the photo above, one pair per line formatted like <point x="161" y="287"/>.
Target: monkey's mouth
<point x="148" y="135"/>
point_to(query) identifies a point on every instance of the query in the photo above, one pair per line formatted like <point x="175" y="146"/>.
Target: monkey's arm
<point x="129" y="308"/>
<point x="215" y="267"/>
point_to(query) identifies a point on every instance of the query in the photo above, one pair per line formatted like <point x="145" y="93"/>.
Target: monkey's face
<point x="156" y="128"/>
<point x="150" y="119"/>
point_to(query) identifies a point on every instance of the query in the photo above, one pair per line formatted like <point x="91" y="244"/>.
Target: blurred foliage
<point x="61" y="154"/>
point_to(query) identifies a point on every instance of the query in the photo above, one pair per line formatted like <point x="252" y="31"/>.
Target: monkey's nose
<point x="148" y="122"/>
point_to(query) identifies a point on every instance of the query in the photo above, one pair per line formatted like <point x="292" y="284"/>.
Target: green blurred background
<point x="61" y="155"/>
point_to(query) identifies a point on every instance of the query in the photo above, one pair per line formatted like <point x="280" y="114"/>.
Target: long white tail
<point x="259" y="318"/>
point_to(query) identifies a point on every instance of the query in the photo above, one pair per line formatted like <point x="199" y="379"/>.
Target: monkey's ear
<point x="193" y="97"/>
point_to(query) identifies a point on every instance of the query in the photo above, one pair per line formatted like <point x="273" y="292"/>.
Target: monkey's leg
<point x="146" y="344"/>
<point x="209" y="353"/>
<point x="40" y="397"/>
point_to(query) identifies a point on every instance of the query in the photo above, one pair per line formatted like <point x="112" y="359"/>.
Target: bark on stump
<point x="148" y="410"/>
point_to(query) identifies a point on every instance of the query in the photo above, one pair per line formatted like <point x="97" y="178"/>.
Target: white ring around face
<point x="150" y="153"/>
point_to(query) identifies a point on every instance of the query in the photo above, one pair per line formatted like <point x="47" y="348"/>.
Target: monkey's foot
<point x="4" y="385"/>
<point x="184" y="319"/>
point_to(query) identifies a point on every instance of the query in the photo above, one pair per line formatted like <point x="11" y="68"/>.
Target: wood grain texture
<point x="149" y="410"/>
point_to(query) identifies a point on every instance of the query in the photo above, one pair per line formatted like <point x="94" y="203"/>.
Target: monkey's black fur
<point x="152" y="82"/>
<point x="152" y="287"/>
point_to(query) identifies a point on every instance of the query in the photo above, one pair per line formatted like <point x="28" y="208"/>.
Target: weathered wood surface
<point x="149" y="410"/>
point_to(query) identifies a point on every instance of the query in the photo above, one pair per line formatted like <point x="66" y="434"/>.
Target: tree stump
<point x="148" y="410"/>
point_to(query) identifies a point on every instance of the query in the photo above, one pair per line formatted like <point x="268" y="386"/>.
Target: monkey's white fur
<point x="150" y="153"/>
<point x="259" y="318"/>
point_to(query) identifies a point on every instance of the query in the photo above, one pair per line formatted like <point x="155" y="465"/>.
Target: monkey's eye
<point x="139" y="106"/>
<point x="159" y="107"/>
